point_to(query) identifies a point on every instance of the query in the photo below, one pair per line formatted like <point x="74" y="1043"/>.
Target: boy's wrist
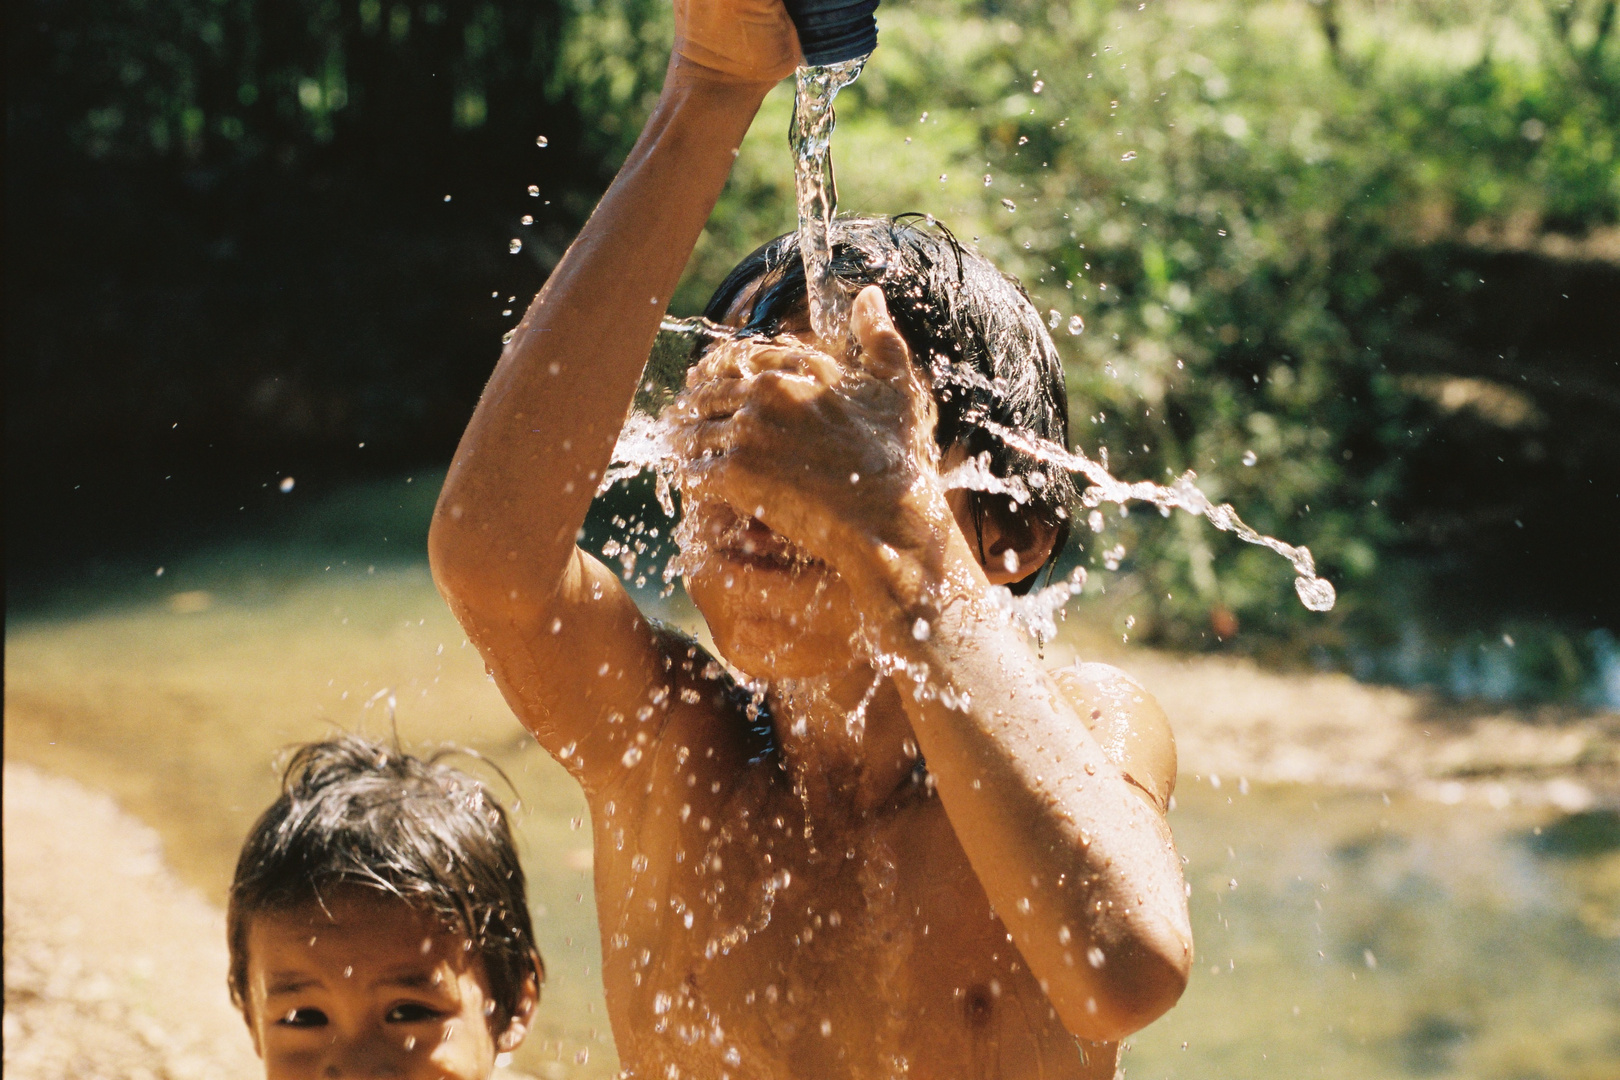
<point x="918" y="568"/>
<point x="684" y="76"/>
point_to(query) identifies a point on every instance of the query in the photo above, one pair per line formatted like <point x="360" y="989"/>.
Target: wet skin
<point x="754" y="885"/>
<point x="369" y="987"/>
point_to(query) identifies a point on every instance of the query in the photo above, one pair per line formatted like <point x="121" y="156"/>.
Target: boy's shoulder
<point x="1127" y="721"/>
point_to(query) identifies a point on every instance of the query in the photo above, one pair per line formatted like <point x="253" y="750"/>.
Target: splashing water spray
<point x="837" y="38"/>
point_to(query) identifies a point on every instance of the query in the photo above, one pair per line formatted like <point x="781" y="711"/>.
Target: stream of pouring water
<point x="810" y="138"/>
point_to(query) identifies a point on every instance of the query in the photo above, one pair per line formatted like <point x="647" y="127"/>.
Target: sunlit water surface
<point x="1338" y="935"/>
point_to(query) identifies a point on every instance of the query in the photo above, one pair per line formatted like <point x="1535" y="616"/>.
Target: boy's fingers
<point x="884" y="353"/>
<point x="712" y="400"/>
<point x="743" y="359"/>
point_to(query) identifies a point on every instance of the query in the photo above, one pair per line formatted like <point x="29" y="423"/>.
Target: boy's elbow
<point x="457" y="570"/>
<point x="1135" y="986"/>
<point x="443" y="557"/>
<point x="1153" y="980"/>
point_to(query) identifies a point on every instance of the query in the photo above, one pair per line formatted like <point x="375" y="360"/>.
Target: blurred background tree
<point x="1358" y="265"/>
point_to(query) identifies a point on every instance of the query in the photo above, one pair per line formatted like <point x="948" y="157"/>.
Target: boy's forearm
<point x="1071" y="857"/>
<point x="543" y="433"/>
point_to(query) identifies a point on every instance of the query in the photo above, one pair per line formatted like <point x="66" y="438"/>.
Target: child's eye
<point x="410" y="1013"/>
<point x="303" y="1018"/>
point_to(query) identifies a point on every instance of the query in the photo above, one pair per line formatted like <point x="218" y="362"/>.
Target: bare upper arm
<point x="586" y="673"/>
<point x="1128" y="724"/>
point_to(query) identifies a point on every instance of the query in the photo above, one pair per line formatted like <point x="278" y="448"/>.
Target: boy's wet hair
<point x="972" y="328"/>
<point x="355" y="813"/>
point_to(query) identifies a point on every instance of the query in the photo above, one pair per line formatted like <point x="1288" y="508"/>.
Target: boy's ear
<point x="517" y="1028"/>
<point x="1014" y="546"/>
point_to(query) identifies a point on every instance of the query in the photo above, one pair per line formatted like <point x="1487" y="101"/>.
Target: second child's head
<point x="378" y="923"/>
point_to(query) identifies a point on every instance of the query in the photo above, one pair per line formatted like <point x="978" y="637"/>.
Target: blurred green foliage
<point x="229" y="81"/>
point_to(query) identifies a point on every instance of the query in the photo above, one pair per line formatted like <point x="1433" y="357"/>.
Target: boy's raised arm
<point x="502" y="540"/>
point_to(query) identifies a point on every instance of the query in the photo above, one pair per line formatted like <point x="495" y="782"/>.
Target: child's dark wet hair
<point x="972" y="328"/>
<point x="355" y="813"/>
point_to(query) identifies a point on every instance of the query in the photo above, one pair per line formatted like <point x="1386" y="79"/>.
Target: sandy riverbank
<point x="113" y="968"/>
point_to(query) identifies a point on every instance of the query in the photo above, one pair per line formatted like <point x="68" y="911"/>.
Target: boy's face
<point x="369" y="986"/>
<point x="773" y="611"/>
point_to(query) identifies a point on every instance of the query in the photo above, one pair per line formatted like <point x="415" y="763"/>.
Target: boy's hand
<point x="734" y="41"/>
<point x="836" y="459"/>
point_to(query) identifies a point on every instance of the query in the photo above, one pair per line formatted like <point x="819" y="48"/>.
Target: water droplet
<point x="1064" y="936"/>
<point x="348" y="972"/>
<point x="1095" y="957"/>
<point x="1250" y="457"/>
<point x="1023" y="905"/>
<point x="515" y="246"/>
<point x="1022" y="139"/>
<point x="920" y="629"/>
<point x="987" y="179"/>
<point x="1095" y="520"/>
<point x="542" y="141"/>
<point x="1315" y="593"/>
<point x="286" y="486"/>
<point x="826" y="1025"/>
<point x="583" y="1056"/>
<point x="527" y="219"/>
<point x="639" y="863"/>
<point x="661" y="1003"/>
<point x="534" y="191"/>
<point x="1040" y="84"/>
<point x="1129" y="155"/>
<point x="1076" y="324"/>
<point x="410" y="1042"/>
<point x="1009" y="204"/>
<point x="1368" y="958"/>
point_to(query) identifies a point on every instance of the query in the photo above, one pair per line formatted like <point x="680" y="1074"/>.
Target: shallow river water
<point x="1340" y="934"/>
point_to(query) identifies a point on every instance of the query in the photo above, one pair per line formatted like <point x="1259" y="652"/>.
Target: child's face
<point x="369" y="986"/>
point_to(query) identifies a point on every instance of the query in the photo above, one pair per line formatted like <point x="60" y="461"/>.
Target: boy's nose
<point x="371" y="1056"/>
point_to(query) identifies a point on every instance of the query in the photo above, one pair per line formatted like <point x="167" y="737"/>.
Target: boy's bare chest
<point x="741" y="938"/>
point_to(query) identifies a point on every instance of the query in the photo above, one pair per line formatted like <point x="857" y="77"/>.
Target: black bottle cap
<point x="832" y="31"/>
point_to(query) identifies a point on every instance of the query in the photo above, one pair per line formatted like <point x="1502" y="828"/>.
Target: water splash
<point x="810" y="137"/>
<point x="1315" y="593"/>
<point x="1037" y="612"/>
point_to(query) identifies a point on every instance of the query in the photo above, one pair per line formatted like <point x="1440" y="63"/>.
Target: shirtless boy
<point x="956" y="868"/>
